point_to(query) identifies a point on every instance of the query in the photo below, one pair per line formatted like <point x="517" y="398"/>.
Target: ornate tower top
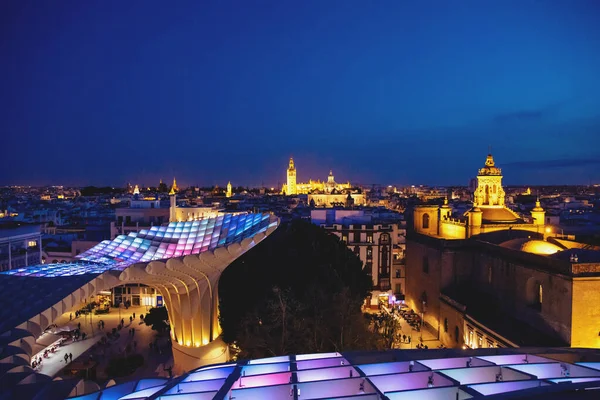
<point x="291" y="167"/>
<point x="136" y="190"/>
<point x="174" y="188"/>
<point x="489" y="190"/>
<point x="490" y="167"/>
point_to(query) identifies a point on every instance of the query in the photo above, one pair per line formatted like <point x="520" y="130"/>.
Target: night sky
<point x="387" y="92"/>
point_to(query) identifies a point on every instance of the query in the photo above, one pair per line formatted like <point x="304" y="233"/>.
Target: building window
<point x="357" y="237"/>
<point x="357" y="251"/>
<point x="397" y="273"/>
<point x="446" y="325"/>
<point x="32" y="243"/>
<point x="479" y="341"/>
<point x="425" y="265"/>
<point x="540" y="296"/>
<point x="370" y="237"/>
<point x="456" y="334"/>
<point x="398" y="288"/>
<point x="425" y="221"/>
<point x="369" y="252"/>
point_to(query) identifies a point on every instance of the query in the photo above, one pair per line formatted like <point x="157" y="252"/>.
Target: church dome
<point x="534" y="246"/>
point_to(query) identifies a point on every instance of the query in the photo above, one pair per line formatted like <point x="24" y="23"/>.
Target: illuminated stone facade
<point x="488" y="214"/>
<point x="488" y="279"/>
<point x="316" y="187"/>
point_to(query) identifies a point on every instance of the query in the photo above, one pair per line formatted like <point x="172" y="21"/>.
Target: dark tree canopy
<point x="157" y="317"/>
<point x="298" y="291"/>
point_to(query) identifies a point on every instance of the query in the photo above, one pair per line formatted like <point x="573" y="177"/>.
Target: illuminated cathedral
<point x="312" y="187"/>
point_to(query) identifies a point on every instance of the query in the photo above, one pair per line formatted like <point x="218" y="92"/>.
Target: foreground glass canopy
<point x="333" y="375"/>
<point x="157" y="243"/>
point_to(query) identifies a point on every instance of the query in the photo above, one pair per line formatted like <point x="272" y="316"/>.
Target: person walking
<point x="66" y="358"/>
<point x="71" y="357"/>
<point x="130" y="319"/>
<point x="133" y="315"/>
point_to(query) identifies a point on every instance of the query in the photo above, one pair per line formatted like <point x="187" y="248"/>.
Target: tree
<point x="158" y="318"/>
<point x="301" y="290"/>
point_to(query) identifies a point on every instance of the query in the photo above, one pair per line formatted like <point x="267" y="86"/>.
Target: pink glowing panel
<point x="468" y="376"/>
<point x="262" y="380"/>
<point x="322" y="363"/>
<point x="430" y="394"/>
<point x="555" y="370"/>
<point x="212" y="373"/>
<point x="194" y="396"/>
<point x="316" y="356"/>
<point x="199" y="386"/>
<point x="488" y="389"/>
<point x="270" y="360"/>
<point x="515" y="359"/>
<point x="412" y="380"/>
<point x="334" y="388"/>
<point x="260" y="369"/>
<point x="460" y="362"/>
<point x="270" y="392"/>
<point x="327" y="373"/>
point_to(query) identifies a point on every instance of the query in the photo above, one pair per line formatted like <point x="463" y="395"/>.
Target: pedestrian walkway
<point x="86" y="349"/>
<point x="425" y="336"/>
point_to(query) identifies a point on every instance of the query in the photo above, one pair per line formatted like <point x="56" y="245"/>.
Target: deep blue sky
<point x="389" y="92"/>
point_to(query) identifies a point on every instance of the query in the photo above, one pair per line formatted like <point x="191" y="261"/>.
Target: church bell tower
<point x="291" y="179"/>
<point x="489" y="190"/>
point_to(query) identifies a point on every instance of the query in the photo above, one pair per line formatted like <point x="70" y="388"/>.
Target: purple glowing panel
<point x="460" y="362"/>
<point x="468" y="376"/>
<point x="316" y="356"/>
<point x="199" y="386"/>
<point x="412" y="380"/>
<point x="212" y="373"/>
<point x="555" y="370"/>
<point x="270" y="360"/>
<point x="574" y="380"/>
<point x="326" y="373"/>
<point x="488" y="389"/>
<point x="335" y="388"/>
<point x="391" y="368"/>
<point x="142" y="393"/>
<point x="270" y="392"/>
<point x="195" y="396"/>
<point x="322" y="363"/>
<point x="260" y="369"/>
<point x="430" y="394"/>
<point x="515" y="359"/>
<point x="262" y="380"/>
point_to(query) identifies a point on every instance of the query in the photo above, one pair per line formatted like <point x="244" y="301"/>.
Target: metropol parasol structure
<point x="183" y="261"/>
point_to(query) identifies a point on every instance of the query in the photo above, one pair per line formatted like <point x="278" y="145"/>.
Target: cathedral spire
<point x="174" y="188"/>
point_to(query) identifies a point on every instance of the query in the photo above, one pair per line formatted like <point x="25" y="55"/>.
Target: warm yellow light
<point x="180" y="342"/>
<point x="188" y="343"/>
<point x="464" y="347"/>
<point x="548" y="230"/>
<point x="197" y="344"/>
<point x="205" y="341"/>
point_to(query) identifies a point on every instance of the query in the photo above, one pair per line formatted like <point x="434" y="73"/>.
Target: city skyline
<point x="211" y="93"/>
